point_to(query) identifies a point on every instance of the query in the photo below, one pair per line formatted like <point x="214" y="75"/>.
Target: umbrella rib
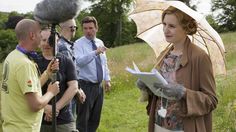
<point x="210" y="37"/>
<point x="199" y="41"/>
<point x="222" y="52"/>
<point x="207" y="34"/>
<point x="208" y="49"/>
<point x="136" y="12"/>
<point x="205" y="43"/>
<point x="204" y="37"/>
<point x="149" y="28"/>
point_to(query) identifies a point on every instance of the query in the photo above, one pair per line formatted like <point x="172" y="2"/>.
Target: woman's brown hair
<point x="186" y="22"/>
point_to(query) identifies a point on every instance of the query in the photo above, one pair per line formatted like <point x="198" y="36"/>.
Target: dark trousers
<point x="89" y="112"/>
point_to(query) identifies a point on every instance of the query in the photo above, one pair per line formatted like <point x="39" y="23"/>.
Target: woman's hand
<point x="141" y="85"/>
<point x="175" y="90"/>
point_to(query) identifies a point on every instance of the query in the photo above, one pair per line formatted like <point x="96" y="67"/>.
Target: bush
<point x="8" y="42"/>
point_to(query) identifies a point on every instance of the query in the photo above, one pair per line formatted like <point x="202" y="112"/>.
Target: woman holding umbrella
<point x="188" y="70"/>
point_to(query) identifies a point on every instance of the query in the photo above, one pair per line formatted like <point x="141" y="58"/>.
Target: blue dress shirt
<point x="85" y="60"/>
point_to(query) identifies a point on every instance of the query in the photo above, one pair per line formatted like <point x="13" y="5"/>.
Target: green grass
<point x="224" y="116"/>
<point x="0" y="97"/>
<point x="229" y="40"/>
<point x="0" y="72"/>
<point x="123" y="113"/>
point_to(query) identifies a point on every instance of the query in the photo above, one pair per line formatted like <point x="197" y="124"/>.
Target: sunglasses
<point x="73" y="28"/>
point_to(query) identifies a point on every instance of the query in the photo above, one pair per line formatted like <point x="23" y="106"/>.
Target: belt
<point x="88" y="82"/>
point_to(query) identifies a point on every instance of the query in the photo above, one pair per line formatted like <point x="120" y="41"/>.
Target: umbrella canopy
<point x="147" y="17"/>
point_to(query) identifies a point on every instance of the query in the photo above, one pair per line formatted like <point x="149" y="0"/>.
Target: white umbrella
<point x="147" y="16"/>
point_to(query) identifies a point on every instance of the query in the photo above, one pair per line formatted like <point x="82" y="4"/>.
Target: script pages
<point x="149" y="78"/>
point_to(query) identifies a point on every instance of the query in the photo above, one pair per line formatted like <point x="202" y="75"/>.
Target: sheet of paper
<point x="149" y="78"/>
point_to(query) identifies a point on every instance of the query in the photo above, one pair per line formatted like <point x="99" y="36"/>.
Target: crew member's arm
<point x="37" y="102"/>
<point x="64" y="100"/>
<point x="53" y="65"/>
<point x="30" y="87"/>
<point x="72" y="84"/>
<point x="68" y="95"/>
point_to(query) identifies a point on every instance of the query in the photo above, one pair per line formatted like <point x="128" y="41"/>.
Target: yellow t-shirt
<point x="20" y="76"/>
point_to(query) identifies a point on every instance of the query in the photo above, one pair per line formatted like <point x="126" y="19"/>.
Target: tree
<point x="29" y="15"/>
<point x="3" y="19"/>
<point x="213" y="23"/>
<point x="114" y="26"/>
<point x="8" y="42"/>
<point x="113" y="20"/>
<point x="227" y="18"/>
<point x="13" y="19"/>
<point x="79" y="32"/>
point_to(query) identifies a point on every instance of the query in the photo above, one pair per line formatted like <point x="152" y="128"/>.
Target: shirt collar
<point x="89" y="40"/>
<point x="29" y="54"/>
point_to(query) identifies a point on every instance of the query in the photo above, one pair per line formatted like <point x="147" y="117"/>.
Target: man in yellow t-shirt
<point x="20" y="77"/>
<point x="22" y="102"/>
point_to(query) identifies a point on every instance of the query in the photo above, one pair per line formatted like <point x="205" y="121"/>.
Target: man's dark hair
<point x="89" y="19"/>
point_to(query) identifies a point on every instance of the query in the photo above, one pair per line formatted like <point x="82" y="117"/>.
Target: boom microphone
<point x="56" y="11"/>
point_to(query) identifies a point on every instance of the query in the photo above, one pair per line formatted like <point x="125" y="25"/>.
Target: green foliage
<point x="0" y="73"/>
<point x="14" y="17"/>
<point x="12" y="21"/>
<point x="3" y="19"/>
<point x="79" y="32"/>
<point x="29" y="15"/>
<point x="114" y="27"/>
<point x="0" y="98"/>
<point x="213" y="23"/>
<point x="227" y="17"/>
<point x="7" y="42"/>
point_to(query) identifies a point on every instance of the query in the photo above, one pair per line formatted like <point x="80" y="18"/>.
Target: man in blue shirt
<point x="92" y="63"/>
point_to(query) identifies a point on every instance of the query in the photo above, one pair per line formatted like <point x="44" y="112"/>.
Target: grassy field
<point x="0" y="72"/>
<point x="224" y="116"/>
<point x="123" y="113"/>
